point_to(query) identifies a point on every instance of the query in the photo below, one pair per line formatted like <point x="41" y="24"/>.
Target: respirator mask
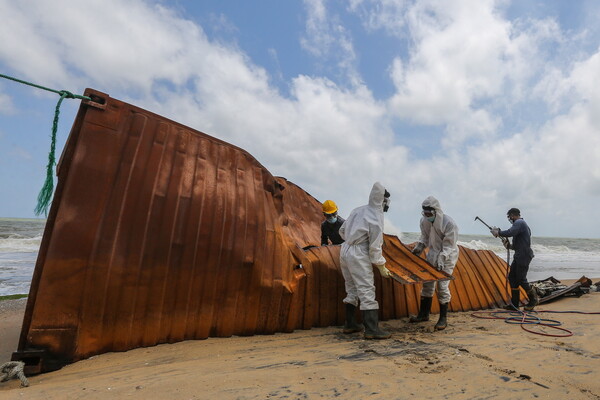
<point x="386" y="201"/>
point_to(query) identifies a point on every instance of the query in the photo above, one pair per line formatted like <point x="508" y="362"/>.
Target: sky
<point x="484" y="104"/>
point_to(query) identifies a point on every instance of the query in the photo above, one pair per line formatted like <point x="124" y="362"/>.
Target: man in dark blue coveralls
<point x="521" y="244"/>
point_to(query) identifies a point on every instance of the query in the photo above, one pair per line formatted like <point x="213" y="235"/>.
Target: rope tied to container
<point x="47" y="190"/>
<point x="13" y="369"/>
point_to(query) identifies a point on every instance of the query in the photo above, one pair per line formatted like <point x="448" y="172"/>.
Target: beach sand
<point x="472" y="359"/>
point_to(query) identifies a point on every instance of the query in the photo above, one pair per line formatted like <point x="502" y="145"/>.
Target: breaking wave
<point x="20" y="244"/>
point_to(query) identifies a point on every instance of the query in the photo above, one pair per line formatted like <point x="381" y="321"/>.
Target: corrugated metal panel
<point x="159" y="233"/>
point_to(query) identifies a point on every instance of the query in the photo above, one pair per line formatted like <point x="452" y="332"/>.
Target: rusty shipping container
<point x="159" y="233"/>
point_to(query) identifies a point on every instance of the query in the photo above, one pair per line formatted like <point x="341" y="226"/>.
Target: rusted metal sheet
<point x="159" y="233"/>
<point x="323" y="288"/>
<point x="550" y="289"/>
<point x="405" y="266"/>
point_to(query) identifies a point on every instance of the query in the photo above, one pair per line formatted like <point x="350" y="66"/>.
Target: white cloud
<point x="129" y="46"/>
<point x="467" y="65"/>
<point x="582" y="75"/>
<point x="6" y="104"/>
<point x="463" y="55"/>
<point x="220" y="23"/>
<point x="328" y="40"/>
<point x="389" y="15"/>
<point x="550" y="172"/>
<point x="21" y="153"/>
<point x="319" y="39"/>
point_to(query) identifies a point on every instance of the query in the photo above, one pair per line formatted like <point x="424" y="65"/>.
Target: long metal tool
<point x="483" y="222"/>
<point x="505" y="241"/>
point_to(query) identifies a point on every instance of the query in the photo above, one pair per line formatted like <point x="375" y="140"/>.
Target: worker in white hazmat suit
<point x="439" y="233"/>
<point x="363" y="237"/>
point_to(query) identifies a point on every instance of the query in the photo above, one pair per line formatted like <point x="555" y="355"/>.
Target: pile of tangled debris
<point x="551" y="288"/>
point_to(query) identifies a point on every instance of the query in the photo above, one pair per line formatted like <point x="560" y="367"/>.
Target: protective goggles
<point x="428" y="213"/>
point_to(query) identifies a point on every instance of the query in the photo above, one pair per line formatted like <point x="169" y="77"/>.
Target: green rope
<point x="71" y="95"/>
<point x="45" y="194"/>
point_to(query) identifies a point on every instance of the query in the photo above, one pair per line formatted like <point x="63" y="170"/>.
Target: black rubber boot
<point x="351" y="326"/>
<point x="424" y="310"/>
<point x="371" y="321"/>
<point x="441" y="324"/>
<point x="533" y="299"/>
<point x="515" y="300"/>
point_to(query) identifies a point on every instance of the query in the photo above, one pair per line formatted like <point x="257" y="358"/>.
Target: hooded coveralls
<point x="363" y="235"/>
<point x="440" y="237"/>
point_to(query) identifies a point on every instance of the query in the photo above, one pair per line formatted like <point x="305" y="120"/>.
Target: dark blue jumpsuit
<point x="331" y="232"/>
<point x="521" y="235"/>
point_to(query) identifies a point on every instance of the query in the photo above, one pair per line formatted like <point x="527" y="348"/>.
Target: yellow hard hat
<point x="329" y="207"/>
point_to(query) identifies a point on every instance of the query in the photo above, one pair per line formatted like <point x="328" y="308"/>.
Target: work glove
<point x="440" y="265"/>
<point x="440" y="262"/>
<point x="418" y="249"/>
<point x="495" y="231"/>
<point x="385" y="273"/>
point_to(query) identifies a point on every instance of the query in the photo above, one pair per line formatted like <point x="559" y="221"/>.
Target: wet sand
<point x="472" y="359"/>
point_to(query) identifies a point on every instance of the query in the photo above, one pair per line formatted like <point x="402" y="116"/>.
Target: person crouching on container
<point x="440" y="233"/>
<point x="330" y="228"/>
<point x="363" y="235"/>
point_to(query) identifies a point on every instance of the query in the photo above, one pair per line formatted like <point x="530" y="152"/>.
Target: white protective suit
<point x="440" y="237"/>
<point x="363" y="235"/>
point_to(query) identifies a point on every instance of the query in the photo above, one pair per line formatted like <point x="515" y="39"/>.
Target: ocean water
<point x="19" y="244"/>
<point x="563" y="258"/>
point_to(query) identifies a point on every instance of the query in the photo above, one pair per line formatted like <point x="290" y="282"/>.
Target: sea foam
<point x="20" y="244"/>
